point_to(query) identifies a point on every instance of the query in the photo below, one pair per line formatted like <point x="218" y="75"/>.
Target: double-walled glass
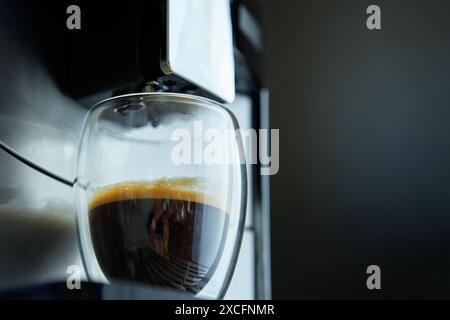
<point x="161" y="192"/>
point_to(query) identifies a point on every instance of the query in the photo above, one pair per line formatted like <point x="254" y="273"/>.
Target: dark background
<point x="364" y="119"/>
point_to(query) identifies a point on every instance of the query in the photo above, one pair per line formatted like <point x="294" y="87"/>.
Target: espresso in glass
<point x="163" y="233"/>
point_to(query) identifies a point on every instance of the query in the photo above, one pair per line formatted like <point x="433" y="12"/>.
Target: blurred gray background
<point x="364" y="119"/>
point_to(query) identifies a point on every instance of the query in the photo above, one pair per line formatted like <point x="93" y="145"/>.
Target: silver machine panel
<point x="38" y="240"/>
<point x="39" y="129"/>
<point x="200" y="45"/>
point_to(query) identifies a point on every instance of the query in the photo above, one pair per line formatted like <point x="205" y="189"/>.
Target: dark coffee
<point x="157" y="233"/>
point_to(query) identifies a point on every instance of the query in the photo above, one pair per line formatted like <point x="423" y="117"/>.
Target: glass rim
<point x="196" y="101"/>
<point x="186" y="96"/>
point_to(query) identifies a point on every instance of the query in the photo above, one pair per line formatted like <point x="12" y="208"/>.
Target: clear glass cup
<point x="161" y="192"/>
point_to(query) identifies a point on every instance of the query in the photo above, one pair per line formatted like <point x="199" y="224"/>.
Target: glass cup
<point x="161" y="192"/>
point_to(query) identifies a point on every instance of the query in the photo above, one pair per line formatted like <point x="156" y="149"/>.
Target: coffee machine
<point x="52" y="72"/>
